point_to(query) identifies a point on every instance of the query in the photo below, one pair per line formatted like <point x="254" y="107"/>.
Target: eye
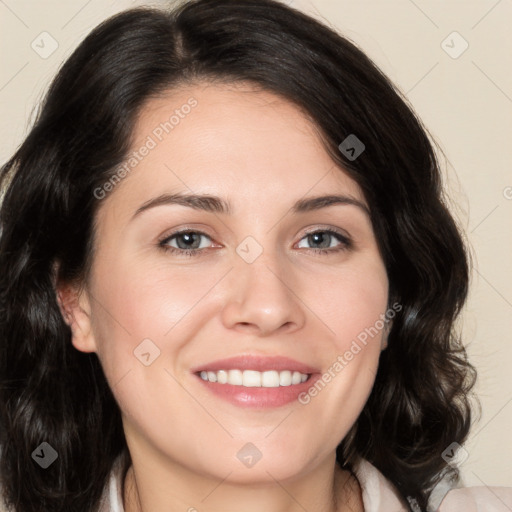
<point x="324" y="239"/>
<point x="187" y="242"/>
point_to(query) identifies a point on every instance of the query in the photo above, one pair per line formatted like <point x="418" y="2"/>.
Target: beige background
<point x="465" y="102"/>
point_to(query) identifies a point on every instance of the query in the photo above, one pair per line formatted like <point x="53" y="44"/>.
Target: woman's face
<point x="254" y="287"/>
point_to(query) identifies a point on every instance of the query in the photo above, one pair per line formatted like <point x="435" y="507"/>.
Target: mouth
<point x="257" y="381"/>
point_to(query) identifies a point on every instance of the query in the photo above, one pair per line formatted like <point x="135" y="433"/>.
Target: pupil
<point x="189" y="238"/>
<point x="318" y="237"/>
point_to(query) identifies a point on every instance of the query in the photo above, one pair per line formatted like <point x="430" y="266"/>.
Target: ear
<point x="385" y="334"/>
<point x="75" y="308"/>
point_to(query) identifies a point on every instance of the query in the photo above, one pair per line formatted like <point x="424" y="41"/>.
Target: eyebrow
<point x="214" y="204"/>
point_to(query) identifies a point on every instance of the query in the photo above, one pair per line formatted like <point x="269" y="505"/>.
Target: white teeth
<point x="222" y="377"/>
<point x="235" y="377"/>
<point x="251" y="379"/>
<point x="296" y="378"/>
<point x="285" y="378"/>
<point x="270" y="379"/>
<point x="255" y="379"/>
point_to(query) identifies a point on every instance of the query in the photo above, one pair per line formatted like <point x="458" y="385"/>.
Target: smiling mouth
<point x="254" y="378"/>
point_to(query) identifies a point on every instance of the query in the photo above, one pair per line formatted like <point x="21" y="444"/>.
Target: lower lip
<point x="259" y="397"/>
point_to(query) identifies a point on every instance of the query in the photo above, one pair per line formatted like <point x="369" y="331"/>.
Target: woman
<point x="143" y="372"/>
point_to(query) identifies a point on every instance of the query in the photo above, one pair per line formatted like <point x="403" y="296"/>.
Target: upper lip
<point x="258" y="363"/>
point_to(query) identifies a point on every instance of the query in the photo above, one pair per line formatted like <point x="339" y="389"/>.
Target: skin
<point x="259" y="152"/>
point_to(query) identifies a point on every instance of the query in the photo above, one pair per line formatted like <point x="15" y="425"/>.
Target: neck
<point x="319" y="491"/>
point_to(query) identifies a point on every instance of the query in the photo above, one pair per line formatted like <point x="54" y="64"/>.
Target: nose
<point x="262" y="297"/>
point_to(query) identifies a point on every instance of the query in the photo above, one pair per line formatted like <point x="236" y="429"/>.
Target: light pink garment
<point x="379" y="495"/>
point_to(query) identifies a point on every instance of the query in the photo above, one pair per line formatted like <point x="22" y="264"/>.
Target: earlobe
<point x="76" y="312"/>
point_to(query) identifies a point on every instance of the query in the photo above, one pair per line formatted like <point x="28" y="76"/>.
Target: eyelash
<point x="162" y="244"/>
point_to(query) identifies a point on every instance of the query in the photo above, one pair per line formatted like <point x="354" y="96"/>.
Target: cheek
<point x="350" y="303"/>
<point x="137" y="302"/>
<point x="148" y="300"/>
<point x="361" y="301"/>
<point x="352" y="309"/>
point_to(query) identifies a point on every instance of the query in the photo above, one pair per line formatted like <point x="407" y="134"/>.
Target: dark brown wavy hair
<point x="51" y="392"/>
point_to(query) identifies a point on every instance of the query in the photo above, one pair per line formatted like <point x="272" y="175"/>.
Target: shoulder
<point x="3" y="507"/>
<point x="478" y="499"/>
<point x="380" y="495"/>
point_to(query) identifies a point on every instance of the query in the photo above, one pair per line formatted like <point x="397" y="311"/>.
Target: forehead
<point x="232" y="140"/>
